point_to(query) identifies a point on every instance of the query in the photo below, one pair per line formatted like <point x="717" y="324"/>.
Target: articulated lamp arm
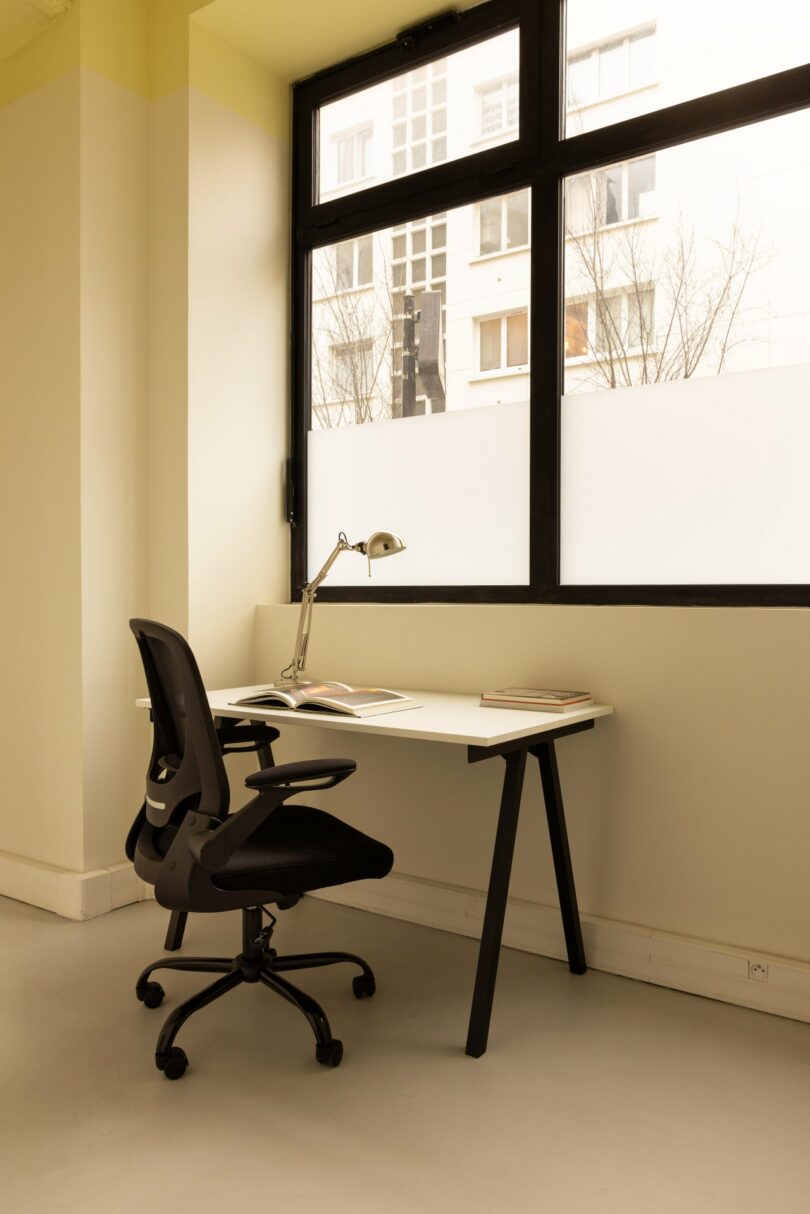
<point x="381" y="543"/>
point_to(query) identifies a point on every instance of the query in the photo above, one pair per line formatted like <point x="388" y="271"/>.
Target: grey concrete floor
<point x="598" y="1095"/>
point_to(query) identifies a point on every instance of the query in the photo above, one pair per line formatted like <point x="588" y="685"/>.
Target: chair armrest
<point x="325" y="773"/>
<point x="212" y="848"/>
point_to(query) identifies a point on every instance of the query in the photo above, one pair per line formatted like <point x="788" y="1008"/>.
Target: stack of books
<point x="541" y="699"/>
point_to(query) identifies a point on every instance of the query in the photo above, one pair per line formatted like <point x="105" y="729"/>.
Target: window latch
<point x="409" y="37"/>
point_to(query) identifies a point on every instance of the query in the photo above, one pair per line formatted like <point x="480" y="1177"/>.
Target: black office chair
<point x="201" y="859"/>
<point x="235" y="738"/>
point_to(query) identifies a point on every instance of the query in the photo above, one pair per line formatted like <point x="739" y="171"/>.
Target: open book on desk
<point x="329" y="697"/>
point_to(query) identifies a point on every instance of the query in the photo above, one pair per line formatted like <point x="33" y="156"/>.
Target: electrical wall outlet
<point x="758" y="970"/>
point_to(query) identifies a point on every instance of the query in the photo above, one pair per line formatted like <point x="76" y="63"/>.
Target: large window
<point x="550" y="320"/>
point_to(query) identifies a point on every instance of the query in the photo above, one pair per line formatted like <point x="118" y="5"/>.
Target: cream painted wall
<point x="238" y="342"/>
<point x="40" y="637"/>
<point x="687" y="810"/>
<point x="113" y="245"/>
<point x="167" y="325"/>
<point x="108" y="307"/>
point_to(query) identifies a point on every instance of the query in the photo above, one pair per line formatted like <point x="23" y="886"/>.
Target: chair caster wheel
<point x="363" y="986"/>
<point x="331" y="1054"/>
<point x="152" y="994"/>
<point x="174" y="1064"/>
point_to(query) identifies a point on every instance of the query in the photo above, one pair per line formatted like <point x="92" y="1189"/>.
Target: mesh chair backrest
<point x="186" y="770"/>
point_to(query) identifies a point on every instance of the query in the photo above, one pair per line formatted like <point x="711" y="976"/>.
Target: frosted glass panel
<point x="702" y="481"/>
<point x="685" y="415"/>
<point x="455" y="486"/>
<point x="628" y="57"/>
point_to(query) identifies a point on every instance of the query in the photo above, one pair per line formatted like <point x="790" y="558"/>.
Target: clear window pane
<point x="517" y="219"/>
<point x="490" y="344"/>
<point x="699" y="478"/>
<point x="438" y="236"/>
<point x="491" y="110"/>
<point x="418" y="239"/>
<point x="344" y="265"/>
<point x="581" y="80"/>
<point x="490" y="226"/>
<point x="348" y="161"/>
<point x="382" y="424"/>
<point x="642" y="59"/>
<point x="685" y="49"/>
<point x="609" y="328"/>
<point x="576" y="330"/>
<point x="612" y="69"/>
<point x="512" y="103"/>
<point x="517" y="340"/>
<point x="365" y="256"/>
<point x="641" y="188"/>
<point x="611" y="180"/>
<point x="579" y="203"/>
<point x="639" y="318"/>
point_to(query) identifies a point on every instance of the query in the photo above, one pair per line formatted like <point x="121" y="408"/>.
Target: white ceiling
<point x="294" y="38"/>
<point x="22" y="20"/>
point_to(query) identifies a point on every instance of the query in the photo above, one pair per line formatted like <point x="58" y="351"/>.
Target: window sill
<point x="499" y="373"/>
<point x="619" y="226"/>
<point x="346" y="187"/>
<point x="590" y="360"/>
<point x="507" y="134"/>
<point x="590" y="105"/>
<point x="485" y="257"/>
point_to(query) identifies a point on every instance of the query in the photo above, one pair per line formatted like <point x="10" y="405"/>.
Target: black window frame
<point x="540" y="159"/>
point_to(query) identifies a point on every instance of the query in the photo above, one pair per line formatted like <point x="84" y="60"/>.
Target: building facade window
<point x="612" y="68"/>
<point x="503" y="342"/>
<point x="498" y="107"/>
<point x="615" y="195"/>
<point x="618" y="324"/>
<point x="354" y="263"/>
<point x="419" y="106"/>
<point x="352" y="155"/>
<point x="503" y="223"/>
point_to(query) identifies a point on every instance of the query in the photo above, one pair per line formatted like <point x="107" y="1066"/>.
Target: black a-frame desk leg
<point x="542" y="747"/>
<point x="496" y="904"/>
<point x="552" y="794"/>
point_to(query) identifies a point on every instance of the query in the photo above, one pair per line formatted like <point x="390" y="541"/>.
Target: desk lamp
<point x="379" y="544"/>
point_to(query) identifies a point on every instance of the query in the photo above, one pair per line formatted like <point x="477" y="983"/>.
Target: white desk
<point x="486" y="732"/>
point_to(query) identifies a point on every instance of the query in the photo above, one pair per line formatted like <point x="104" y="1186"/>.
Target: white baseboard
<point x="700" y="967"/>
<point x="716" y="971"/>
<point x="68" y="893"/>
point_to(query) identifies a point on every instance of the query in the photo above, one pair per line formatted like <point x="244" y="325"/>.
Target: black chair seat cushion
<point x="300" y="848"/>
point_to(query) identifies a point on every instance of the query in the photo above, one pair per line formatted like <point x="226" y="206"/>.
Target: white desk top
<point x="441" y="717"/>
